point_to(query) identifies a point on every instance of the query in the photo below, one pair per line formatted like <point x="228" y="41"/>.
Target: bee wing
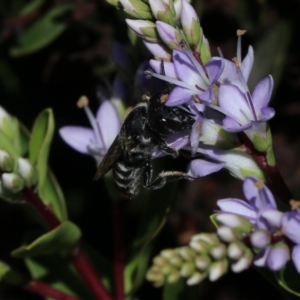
<point x="109" y="159"/>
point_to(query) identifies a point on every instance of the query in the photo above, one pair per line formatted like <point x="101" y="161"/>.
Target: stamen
<point x="164" y="98"/>
<point x="294" y="204"/>
<point x="83" y="102"/>
<point x="220" y="52"/>
<point x="239" y="44"/>
<point x="259" y="184"/>
<point x="237" y="62"/>
<point x="171" y="80"/>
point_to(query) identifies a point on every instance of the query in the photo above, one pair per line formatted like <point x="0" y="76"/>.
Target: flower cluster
<point x="252" y="232"/>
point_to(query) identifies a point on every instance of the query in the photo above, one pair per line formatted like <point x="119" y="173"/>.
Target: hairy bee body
<point x="142" y="133"/>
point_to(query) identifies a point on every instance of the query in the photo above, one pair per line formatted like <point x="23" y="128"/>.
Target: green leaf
<point x="179" y="291"/>
<point x="288" y="278"/>
<point x="42" y="32"/>
<point x="39" y="147"/>
<point x="58" y="272"/>
<point x="214" y="220"/>
<point x="63" y="238"/>
<point x="7" y="145"/>
<point x="9" y="275"/>
<point x="31" y="6"/>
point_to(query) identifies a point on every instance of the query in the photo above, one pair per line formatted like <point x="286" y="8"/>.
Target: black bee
<point x="142" y="133"/>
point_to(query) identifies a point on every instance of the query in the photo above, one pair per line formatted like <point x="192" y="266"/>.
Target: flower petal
<point x="187" y="71"/>
<point x="290" y="223"/>
<point x="238" y="207"/>
<point x="231" y="125"/>
<point x="78" y="137"/>
<point x="262" y="93"/>
<point x="296" y="257"/>
<point x="278" y="256"/>
<point x="258" y="197"/>
<point x="267" y="113"/>
<point x="179" y="96"/>
<point x="261" y="258"/>
<point x="168" y="67"/>
<point x="234" y="103"/>
<point x="214" y="69"/>
<point x="109" y="122"/>
<point x="247" y="63"/>
<point x="200" y="167"/>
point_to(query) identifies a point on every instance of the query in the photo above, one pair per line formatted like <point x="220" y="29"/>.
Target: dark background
<point x="74" y="65"/>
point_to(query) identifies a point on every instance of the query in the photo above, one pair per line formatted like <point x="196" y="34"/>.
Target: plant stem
<point x="118" y="248"/>
<point x="88" y="274"/>
<point x="78" y="257"/>
<point x="46" y="290"/>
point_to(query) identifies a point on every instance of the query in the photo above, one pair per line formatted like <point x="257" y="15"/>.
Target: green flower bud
<point x="202" y="262"/>
<point x="173" y="277"/>
<point x="186" y="253"/>
<point x="13" y="182"/>
<point x="27" y="171"/>
<point x="196" y="278"/>
<point x="6" y="161"/>
<point x="166" y="269"/>
<point x="218" y="269"/>
<point x="168" y="253"/>
<point x="176" y="261"/>
<point x="236" y="250"/>
<point x="187" y="269"/>
<point x="243" y="263"/>
<point x="218" y="252"/>
<point x="137" y="9"/>
<point x="159" y="260"/>
<point x="199" y="246"/>
<point x="210" y="238"/>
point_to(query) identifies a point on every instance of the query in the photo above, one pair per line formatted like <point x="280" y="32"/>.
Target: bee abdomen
<point x="127" y="178"/>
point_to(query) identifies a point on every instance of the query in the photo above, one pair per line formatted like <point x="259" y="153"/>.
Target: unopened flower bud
<point x="173" y="277"/>
<point x="13" y="182"/>
<point x="144" y="29"/>
<point x="6" y="161"/>
<point x="199" y="246"/>
<point x="210" y="238"/>
<point x="196" y="278"/>
<point x="171" y="36"/>
<point x="243" y="263"/>
<point x="186" y="253"/>
<point x="227" y="234"/>
<point x="217" y="269"/>
<point x="167" y="253"/>
<point x="190" y="24"/>
<point x="137" y="9"/>
<point x="218" y="252"/>
<point x="235" y="250"/>
<point x="163" y="10"/>
<point x="260" y="238"/>
<point x="187" y="269"/>
<point x="234" y="221"/>
<point x="176" y="261"/>
<point x="166" y="269"/>
<point x="202" y="262"/>
<point x="27" y="171"/>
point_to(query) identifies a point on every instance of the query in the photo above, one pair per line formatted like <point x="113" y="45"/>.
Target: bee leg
<point x="147" y="173"/>
<point x="164" y="177"/>
<point x="163" y="147"/>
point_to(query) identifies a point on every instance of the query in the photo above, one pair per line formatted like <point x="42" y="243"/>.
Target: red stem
<point x="272" y="171"/>
<point x="78" y="257"/>
<point x="118" y="248"/>
<point x="88" y="274"/>
<point x="46" y="290"/>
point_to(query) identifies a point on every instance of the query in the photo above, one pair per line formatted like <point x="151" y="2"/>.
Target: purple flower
<point x="259" y="201"/>
<point x="290" y="223"/>
<point x="94" y="141"/>
<point x="246" y="112"/>
<point x="191" y="78"/>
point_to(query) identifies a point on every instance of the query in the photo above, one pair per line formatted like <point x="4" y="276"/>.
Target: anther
<point x="237" y="62"/>
<point x="259" y="184"/>
<point x="240" y="32"/>
<point x="83" y="101"/>
<point x="294" y="204"/>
